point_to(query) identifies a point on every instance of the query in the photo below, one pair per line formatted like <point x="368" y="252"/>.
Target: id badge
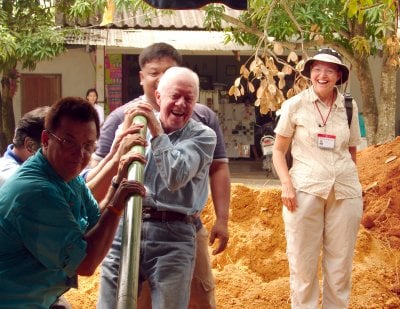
<point x="326" y="141"/>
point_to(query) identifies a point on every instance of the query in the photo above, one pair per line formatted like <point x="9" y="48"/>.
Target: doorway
<point x="39" y="90"/>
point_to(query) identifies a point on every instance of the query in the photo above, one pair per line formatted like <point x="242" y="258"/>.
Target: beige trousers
<point x="202" y="287"/>
<point x="333" y="226"/>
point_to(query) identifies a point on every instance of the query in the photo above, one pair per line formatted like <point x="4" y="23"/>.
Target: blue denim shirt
<point x="43" y="220"/>
<point x="176" y="173"/>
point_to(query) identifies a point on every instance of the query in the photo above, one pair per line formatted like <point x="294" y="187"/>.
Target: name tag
<point x="326" y="141"/>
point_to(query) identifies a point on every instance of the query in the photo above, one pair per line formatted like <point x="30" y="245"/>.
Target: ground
<point x="253" y="271"/>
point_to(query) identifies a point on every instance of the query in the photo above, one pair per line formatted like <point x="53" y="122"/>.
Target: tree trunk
<point x="370" y="109"/>
<point x="387" y="103"/>
<point x="7" y="114"/>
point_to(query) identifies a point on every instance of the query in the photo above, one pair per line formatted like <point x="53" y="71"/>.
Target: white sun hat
<point x="331" y="56"/>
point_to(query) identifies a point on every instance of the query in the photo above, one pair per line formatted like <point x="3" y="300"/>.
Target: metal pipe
<point x="128" y="281"/>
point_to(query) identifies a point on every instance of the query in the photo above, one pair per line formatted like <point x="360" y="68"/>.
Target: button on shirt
<point x="316" y="170"/>
<point x="43" y="220"/>
<point x="176" y="173"/>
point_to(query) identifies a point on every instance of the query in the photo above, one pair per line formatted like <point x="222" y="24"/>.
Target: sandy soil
<point x="253" y="271"/>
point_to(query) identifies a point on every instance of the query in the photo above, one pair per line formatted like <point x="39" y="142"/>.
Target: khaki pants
<point x="202" y="287"/>
<point x="333" y="225"/>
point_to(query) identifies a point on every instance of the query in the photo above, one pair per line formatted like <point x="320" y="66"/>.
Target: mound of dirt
<point x="253" y="271"/>
<point x="379" y="170"/>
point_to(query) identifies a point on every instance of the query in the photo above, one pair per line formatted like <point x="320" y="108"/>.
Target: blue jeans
<point x="166" y="260"/>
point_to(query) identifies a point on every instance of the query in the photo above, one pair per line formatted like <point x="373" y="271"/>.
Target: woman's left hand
<point x="289" y="197"/>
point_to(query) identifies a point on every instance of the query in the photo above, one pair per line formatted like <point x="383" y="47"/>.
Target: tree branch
<point x="292" y="18"/>
<point x="236" y="22"/>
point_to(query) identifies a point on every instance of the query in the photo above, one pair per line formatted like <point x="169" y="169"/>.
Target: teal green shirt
<point x="43" y="220"/>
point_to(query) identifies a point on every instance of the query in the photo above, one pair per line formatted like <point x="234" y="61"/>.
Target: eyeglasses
<point x="71" y="145"/>
<point x="318" y="70"/>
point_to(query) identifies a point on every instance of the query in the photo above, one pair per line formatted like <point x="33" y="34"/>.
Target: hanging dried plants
<point x="264" y="72"/>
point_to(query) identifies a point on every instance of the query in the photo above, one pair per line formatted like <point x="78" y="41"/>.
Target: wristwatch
<point x="114" y="184"/>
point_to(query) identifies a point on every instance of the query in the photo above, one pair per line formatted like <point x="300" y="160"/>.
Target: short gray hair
<point x="174" y="71"/>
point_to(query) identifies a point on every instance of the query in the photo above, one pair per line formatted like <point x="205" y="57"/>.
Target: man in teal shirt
<point x="51" y="228"/>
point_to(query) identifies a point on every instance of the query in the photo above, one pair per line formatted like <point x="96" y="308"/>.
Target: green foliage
<point x="213" y="17"/>
<point x="238" y="34"/>
<point x="28" y="34"/>
<point x="45" y="43"/>
<point x="83" y="9"/>
<point x="294" y="20"/>
<point x="87" y="8"/>
<point x="8" y="45"/>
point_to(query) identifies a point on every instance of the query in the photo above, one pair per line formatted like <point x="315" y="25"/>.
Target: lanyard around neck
<point x="320" y="114"/>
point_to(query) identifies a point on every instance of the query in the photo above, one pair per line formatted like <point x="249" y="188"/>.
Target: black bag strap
<point x="348" y="103"/>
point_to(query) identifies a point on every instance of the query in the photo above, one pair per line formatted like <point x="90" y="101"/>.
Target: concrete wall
<point x="78" y="74"/>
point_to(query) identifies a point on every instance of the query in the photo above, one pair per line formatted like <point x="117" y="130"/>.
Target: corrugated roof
<point x="178" y="19"/>
<point x="184" y="29"/>
<point x="189" y="19"/>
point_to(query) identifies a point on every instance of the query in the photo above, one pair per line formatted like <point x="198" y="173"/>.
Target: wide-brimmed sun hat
<point x="331" y="56"/>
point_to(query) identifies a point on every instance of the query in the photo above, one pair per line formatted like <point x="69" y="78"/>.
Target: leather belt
<point x="149" y="213"/>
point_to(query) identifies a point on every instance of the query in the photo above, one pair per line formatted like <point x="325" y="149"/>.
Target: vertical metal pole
<point x="128" y="281"/>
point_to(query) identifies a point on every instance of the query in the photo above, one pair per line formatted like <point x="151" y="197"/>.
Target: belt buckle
<point x="189" y="219"/>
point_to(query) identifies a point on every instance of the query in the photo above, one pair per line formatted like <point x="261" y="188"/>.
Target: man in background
<point x="25" y="143"/>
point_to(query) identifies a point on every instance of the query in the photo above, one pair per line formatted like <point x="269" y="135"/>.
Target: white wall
<point x="78" y="74"/>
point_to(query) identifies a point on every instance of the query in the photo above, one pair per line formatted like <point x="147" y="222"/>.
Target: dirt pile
<point x="379" y="170"/>
<point x="253" y="271"/>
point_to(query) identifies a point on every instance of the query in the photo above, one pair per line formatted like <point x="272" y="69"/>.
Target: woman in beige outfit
<point x="321" y="193"/>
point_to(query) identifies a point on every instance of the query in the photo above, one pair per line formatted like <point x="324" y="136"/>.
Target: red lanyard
<point x="322" y="117"/>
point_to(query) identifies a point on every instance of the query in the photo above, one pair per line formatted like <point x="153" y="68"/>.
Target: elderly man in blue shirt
<point x="176" y="180"/>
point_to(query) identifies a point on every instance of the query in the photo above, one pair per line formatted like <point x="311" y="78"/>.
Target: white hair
<point x="173" y="72"/>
